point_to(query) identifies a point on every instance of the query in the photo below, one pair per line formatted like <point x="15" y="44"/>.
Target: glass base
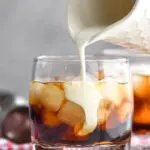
<point x="100" y="147"/>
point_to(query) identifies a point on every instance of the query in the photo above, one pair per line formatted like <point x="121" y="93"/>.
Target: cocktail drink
<point x="142" y="103"/>
<point x="69" y="112"/>
<point x="141" y="88"/>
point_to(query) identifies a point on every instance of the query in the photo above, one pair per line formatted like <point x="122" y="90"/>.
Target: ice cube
<point x="78" y="131"/>
<point x="124" y="111"/>
<point x="51" y="97"/>
<point x="104" y="110"/>
<point x="71" y="114"/>
<point x="127" y="91"/>
<point x="110" y="90"/>
<point x="113" y="120"/>
<point x="49" y="118"/>
<point x="141" y="86"/>
<point x="35" y="89"/>
<point x="141" y="113"/>
<point x="111" y="123"/>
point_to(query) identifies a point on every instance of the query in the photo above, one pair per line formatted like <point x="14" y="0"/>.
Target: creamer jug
<point x="122" y="22"/>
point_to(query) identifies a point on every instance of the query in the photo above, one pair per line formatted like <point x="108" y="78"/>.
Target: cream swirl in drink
<point x="88" y="96"/>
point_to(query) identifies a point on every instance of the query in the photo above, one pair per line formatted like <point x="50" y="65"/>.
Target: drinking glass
<point x="140" y="68"/>
<point x="67" y="112"/>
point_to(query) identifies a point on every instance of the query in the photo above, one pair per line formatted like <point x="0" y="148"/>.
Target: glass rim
<point x="76" y="58"/>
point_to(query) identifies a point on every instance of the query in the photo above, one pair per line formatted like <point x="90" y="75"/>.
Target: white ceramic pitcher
<point x="122" y="22"/>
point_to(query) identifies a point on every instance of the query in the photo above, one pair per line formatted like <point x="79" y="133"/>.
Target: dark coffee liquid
<point x="57" y="121"/>
<point x="63" y="133"/>
<point x="141" y="120"/>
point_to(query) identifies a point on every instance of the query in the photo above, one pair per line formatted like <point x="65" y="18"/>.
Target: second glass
<point x="66" y="112"/>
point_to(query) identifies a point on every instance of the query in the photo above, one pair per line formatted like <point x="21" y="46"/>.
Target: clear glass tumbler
<point x="140" y="68"/>
<point x="69" y="113"/>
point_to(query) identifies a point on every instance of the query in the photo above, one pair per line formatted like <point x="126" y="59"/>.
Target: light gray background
<point x="29" y="28"/>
